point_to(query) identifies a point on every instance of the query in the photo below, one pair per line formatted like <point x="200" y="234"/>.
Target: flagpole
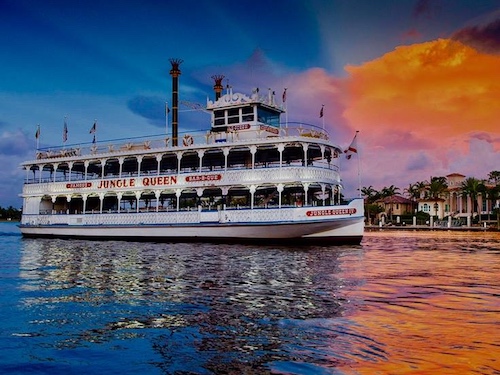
<point x="285" y="108"/>
<point x="359" y="168"/>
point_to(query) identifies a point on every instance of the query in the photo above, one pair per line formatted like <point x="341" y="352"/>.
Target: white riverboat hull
<point x="310" y="225"/>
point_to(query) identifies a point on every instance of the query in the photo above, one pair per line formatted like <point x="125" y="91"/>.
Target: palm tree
<point x="494" y="177"/>
<point x="493" y="195"/>
<point x="437" y="187"/>
<point x="371" y="196"/>
<point x="472" y="187"/>
<point x="413" y="193"/>
<point x="421" y="186"/>
<point x="389" y="192"/>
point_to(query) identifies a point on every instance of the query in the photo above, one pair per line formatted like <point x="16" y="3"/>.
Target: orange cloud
<point x="425" y="110"/>
<point x="434" y="90"/>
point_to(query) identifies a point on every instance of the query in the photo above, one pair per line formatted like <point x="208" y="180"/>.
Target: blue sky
<point x="108" y="61"/>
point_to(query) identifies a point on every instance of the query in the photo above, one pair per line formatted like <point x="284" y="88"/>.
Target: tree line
<point x="10" y="213"/>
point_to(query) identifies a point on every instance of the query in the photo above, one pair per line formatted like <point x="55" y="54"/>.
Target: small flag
<point x="93" y="130"/>
<point x="37" y="134"/>
<point x="284" y="95"/>
<point x="167" y="110"/>
<point x="353" y="147"/>
<point x="321" y="112"/>
<point x="65" y="131"/>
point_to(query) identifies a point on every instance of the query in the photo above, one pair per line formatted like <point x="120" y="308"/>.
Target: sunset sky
<point x="419" y="79"/>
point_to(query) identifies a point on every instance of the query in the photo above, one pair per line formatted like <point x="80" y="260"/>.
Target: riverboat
<point x="249" y="177"/>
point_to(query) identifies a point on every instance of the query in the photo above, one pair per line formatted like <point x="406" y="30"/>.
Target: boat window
<point x="247" y="113"/>
<point x="233" y="116"/>
<point x="219" y="118"/>
<point x="268" y="117"/>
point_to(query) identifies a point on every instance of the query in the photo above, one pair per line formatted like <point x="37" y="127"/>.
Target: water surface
<point x="401" y="303"/>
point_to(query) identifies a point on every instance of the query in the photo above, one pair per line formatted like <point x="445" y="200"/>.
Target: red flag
<point x="353" y="147"/>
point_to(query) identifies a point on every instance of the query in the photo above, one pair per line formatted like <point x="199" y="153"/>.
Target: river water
<point x="400" y="303"/>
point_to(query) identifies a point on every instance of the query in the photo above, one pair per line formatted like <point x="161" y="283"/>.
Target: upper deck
<point x="260" y="134"/>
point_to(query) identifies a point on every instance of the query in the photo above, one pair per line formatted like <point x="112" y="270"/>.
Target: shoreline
<point x="373" y="228"/>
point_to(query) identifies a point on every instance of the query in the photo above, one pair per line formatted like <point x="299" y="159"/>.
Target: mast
<point x="175" y="73"/>
<point x="218" y="86"/>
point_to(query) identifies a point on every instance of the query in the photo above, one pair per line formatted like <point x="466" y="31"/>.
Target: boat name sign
<point x="338" y="211"/>
<point x="144" y="181"/>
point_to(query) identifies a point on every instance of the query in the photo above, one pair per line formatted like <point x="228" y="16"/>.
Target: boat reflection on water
<point x="400" y="303"/>
<point x="205" y="306"/>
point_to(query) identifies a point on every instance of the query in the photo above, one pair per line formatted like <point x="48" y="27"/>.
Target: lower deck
<point x="318" y="223"/>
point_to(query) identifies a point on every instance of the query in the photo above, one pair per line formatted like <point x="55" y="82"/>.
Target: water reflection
<point x="432" y="299"/>
<point x="401" y="303"/>
<point x="211" y="307"/>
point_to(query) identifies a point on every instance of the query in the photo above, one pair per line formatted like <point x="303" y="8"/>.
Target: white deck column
<point x="119" y="196"/>
<point x="323" y="191"/>
<point x="139" y="162"/>
<point x="158" y="160"/>
<point x="84" y="198"/>
<point x="306" y="189"/>
<point x="137" y="198"/>
<point x="54" y="165"/>
<point x="179" y="157"/>
<point x="281" y="148"/>
<point x="103" y="166"/>
<point x="101" y="202"/>
<point x="280" y="189"/>
<point x="253" y="151"/>
<point x="120" y="162"/>
<point x="200" y="157"/>
<point x="157" y="195"/>
<point x="86" y="165"/>
<point x="178" y="193"/>
<point x="225" y="151"/>
<point x="253" y="189"/>
<point x="305" y="147"/>
<point x="68" y="199"/>
<point x="70" y="168"/>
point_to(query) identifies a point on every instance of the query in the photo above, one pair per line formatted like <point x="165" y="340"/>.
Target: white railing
<point x="229" y="177"/>
<point x="147" y="143"/>
<point x="174" y="217"/>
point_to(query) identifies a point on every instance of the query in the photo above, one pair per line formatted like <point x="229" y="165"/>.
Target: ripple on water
<point x="400" y="303"/>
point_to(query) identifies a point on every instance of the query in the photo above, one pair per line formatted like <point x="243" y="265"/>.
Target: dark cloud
<point x="150" y="107"/>
<point x="483" y="136"/>
<point x="483" y="38"/>
<point x="426" y="8"/>
<point x="418" y="162"/>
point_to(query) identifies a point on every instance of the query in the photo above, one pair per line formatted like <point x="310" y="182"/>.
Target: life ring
<point x="187" y="140"/>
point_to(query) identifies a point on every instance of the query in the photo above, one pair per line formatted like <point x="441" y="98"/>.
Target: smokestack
<point x="175" y="73"/>
<point x="218" y="85"/>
